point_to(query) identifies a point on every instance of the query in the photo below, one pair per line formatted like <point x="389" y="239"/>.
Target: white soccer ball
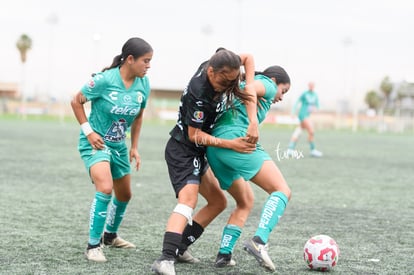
<point x="321" y="253"/>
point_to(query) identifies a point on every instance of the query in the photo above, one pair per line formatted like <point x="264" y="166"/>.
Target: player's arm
<point x="77" y="104"/>
<point x="135" y="134"/>
<point x="259" y="88"/>
<point x="252" y="134"/>
<point x="200" y="137"/>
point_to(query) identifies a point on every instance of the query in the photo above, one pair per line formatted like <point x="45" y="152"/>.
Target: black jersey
<point x="200" y="107"/>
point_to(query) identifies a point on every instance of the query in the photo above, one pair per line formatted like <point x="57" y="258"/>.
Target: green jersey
<point x="229" y="165"/>
<point x="309" y="101"/>
<point x="236" y="119"/>
<point x="113" y="107"/>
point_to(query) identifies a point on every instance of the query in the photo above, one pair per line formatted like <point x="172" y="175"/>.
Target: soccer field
<point x="360" y="193"/>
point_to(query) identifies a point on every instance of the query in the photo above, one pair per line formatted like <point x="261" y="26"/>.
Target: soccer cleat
<point x="259" y="251"/>
<point x="95" y="254"/>
<point x="224" y="260"/>
<point x="186" y="257"/>
<point x="117" y="242"/>
<point x="163" y="267"/>
<point x="315" y="153"/>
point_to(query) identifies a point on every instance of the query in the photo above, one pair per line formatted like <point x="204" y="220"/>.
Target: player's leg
<point x="116" y="212"/>
<point x="172" y="241"/>
<point x="242" y="193"/>
<point x="297" y="132"/>
<point x="294" y="138"/>
<point x="182" y="169"/>
<point x="270" y="179"/>
<point x="120" y="169"/>
<point x="102" y="178"/>
<point x="215" y="197"/>
<point x="216" y="203"/>
<point x="307" y="125"/>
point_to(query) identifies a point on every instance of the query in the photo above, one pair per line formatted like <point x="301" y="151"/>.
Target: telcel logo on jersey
<point x="127" y="110"/>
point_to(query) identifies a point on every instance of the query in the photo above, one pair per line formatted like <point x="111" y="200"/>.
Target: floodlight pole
<point x="349" y="81"/>
<point x="52" y="20"/>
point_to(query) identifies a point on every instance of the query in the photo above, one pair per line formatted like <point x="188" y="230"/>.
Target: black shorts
<point x="186" y="164"/>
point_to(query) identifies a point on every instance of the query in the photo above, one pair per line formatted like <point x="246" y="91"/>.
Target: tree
<point x="373" y="100"/>
<point x="23" y="44"/>
<point x="386" y="88"/>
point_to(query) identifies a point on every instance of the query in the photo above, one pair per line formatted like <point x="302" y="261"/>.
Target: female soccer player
<point x="309" y="102"/>
<point x="118" y="98"/>
<point x="234" y="170"/>
<point x="203" y="100"/>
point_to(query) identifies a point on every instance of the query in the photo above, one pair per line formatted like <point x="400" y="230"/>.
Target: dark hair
<point x="224" y="59"/>
<point x="278" y="73"/>
<point x="135" y="46"/>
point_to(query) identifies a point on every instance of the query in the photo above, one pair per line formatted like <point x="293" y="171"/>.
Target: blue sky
<point x="72" y="39"/>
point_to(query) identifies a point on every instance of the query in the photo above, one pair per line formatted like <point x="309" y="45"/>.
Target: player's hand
<point x="96" y="141"/>
<point x="242" y="145"/>
<point x="134" y="155"/>
<point x="252" y="134"/>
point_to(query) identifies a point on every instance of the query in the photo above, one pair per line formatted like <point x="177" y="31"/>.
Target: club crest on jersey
<point x="91" y="84"/>
<point x="140" y="97"/>
<point x="198" y="116"/>
<point x="116" y="132"/>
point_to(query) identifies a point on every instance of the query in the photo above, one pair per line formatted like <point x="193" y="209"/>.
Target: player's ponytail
<point x="278" y="73"/>
<point x="135" y="46"/>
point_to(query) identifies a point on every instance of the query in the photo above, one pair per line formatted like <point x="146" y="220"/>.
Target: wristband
<point x="86" y="128"/>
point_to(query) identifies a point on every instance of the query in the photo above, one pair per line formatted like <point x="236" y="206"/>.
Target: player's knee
<point x="106" y="190"/>
<point x="246" y="204"/>
<point x="297" y="133"/>
<point x="216" y="200"/>
<point x="185" y="211"/>
<point x="220" y="204"/>
<point x="126" y="197"/>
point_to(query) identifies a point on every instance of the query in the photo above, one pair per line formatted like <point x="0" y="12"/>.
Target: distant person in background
<point x="308" y="102"/>
<point x="234" y="170"/>
<point x="207" y="95"/>
<point x="118" y="97"/>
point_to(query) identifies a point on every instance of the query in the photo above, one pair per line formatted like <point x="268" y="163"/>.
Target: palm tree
<point x="23" y="44"/>
<point x="373" y="100"/>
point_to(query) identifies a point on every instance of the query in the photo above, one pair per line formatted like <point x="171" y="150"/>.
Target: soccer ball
<point x="321" y="253"/>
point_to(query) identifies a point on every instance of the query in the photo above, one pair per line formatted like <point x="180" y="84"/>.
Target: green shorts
<point x="229" y="165"/>
<point x="117" y="156"/>
<point x="303" y="114"/>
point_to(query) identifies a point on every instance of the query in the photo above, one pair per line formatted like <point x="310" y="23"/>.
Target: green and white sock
<point x="231" y="234"/>
<point x="97" y="217"/>
<point x="271" y="213"/>
<point x="116" y="213"/>
<point x="312" y="145"/>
